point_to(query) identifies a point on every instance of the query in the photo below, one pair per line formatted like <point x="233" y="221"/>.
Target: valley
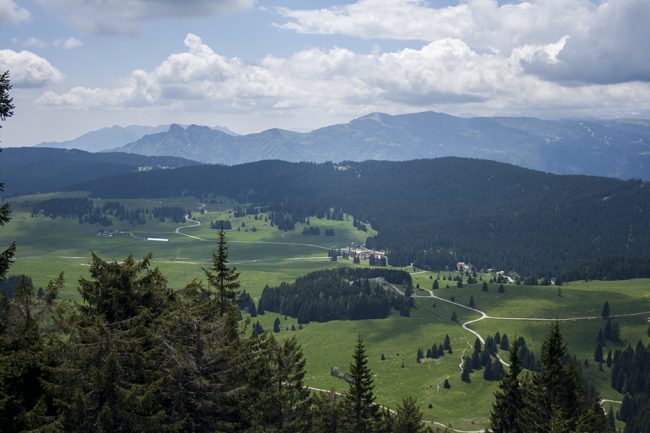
<point x="265" y="255"/>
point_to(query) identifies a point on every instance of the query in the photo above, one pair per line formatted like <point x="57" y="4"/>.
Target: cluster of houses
<point x="500" y="276"/>
<point x="362" y="253"/>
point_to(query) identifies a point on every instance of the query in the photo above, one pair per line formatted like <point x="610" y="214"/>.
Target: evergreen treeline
<point x="631" y="376"/>
<point x="173" y="213"/>
<point x="221" y="224"/>
<point x="88" y="212"/>
<point x="611" y="268"/>
<point x="431" y="212"/>
<point x="344" y="294"/>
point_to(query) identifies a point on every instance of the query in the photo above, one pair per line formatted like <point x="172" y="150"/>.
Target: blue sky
<point x="79" y="65"/>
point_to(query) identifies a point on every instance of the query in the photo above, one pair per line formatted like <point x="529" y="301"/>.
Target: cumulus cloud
<point x="10" y="12"/>
<point x="445" y="74"/>
<point x="614" y="50"/>
<point x="482" y="24"/>
<point x="66" y="44"/>
<point x="107" y="17"/>
<point x="601" y="43"/>
<point x="27" y="69"/>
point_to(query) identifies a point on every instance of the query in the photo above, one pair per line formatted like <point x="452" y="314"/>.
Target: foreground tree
<point x="408" y="418"/>
<point x="6" y="111"/>
<point x="360" y="413"/>
<point x="508" y="399"/>
<point x="222" y="277"/>
<point x="555" y="400"/>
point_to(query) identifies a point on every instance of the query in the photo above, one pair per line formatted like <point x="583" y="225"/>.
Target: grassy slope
<point x="47" y="247"/>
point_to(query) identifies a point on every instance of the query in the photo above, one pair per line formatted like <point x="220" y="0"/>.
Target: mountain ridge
<point x="613" y="148"/>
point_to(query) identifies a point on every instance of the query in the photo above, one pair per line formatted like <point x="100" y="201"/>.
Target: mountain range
<point x="105" y="139"/>
<point x="613" y="148"/>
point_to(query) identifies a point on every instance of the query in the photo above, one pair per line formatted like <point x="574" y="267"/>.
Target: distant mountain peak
<point x="609" y="148"/>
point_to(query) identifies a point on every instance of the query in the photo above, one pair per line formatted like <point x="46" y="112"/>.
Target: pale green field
<point x="269" y="256"/>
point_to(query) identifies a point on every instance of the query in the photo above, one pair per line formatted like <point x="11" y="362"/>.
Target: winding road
<point x="484" y="315"/>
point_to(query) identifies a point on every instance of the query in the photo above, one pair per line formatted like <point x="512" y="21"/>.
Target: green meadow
<point x="265" y="255"/>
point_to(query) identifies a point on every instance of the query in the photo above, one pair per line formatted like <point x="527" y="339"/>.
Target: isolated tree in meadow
<point x="598" y="355"/>
<point x="484" y="287"/>
<point x="224" y="278"/>
<point x="360" y="413"/>
<point x="6" y="111"/>
<point x="436" y="285"/>
<point x="276" y="325"/>
<point x="446" y="344"/>
<point x="605" y="313"/>
<point x="454" y="317"/>
<point x="408" y="418"/>
<point x="471" y="302"/>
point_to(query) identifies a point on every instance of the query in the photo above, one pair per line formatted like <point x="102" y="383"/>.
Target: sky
<point x="249" y="65"/>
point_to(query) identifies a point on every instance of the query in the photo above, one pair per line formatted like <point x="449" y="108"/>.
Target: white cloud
<point x="446" y="74"/>
<point x="107" y="17"/>
<point x="10" y="12"/>
<point x="66" y="44"/>
<point x="614" y="50"/>
<point x="482" y="24"/>
<point x="603" y="42"/>
<point x="27" y="69"/>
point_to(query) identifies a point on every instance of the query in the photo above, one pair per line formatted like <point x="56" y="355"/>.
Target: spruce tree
<point x="295" y="400"/>
<point x="6" y="111"/>
<point x="326" y="413"/>
<point x="360" y="413"/>
<point x="605" y="313"/>
<point x="555" y="399"/>
<point x="446" y="344"/>
<point x="598" y="355"/>
<point x="408" y="418"/>
<point x="224" y="278"/>
<point x="509" y="399"/>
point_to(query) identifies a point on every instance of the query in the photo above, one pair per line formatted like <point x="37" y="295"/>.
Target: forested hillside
<point x="434" y="212"/>
<point x="29" y="170"/>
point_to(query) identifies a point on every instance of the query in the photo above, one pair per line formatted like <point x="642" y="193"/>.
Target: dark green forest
<point x="337" y="294"/>
<point x="611" y="268"/>
<point x="433" y="212"/>
<point x="631" y="376"/>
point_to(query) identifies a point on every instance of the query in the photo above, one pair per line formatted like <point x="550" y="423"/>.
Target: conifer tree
<point x="24" y="400"/>
<point x="605" y="313"/>
<point x="6" y="111"/>
<point x="554" y="399"/>
<point x="509" y="398"/>
<point x="446" y="344"/>
<point x="598" y="355"/>
<point x="294" y="400"/>
<point x="224" y="278"/>
<point x="360" y="413"/>
<point x="327" y="410"/>
<point x="408" y="418"/>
